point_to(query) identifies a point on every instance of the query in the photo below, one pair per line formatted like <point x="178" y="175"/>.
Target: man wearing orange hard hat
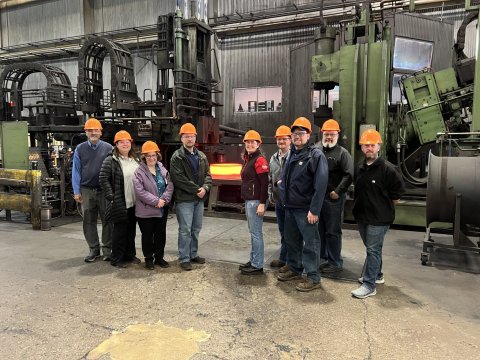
<point x="87" y="162"/>
<point x="190" y="172"/>
<point x="283" y="136"/>
<point x="302" y="189"/>
<point x="378" y="187"/>
<point x="340" y="176"/>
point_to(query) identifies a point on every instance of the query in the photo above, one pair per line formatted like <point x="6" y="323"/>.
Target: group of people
<point x="124" y="189"/>
<point x="307" y="184"/>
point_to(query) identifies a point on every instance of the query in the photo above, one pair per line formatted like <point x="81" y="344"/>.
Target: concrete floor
<point x="55" y="306"/>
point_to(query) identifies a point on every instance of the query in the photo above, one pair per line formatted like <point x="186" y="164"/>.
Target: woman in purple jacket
<point x="153" y="190"/>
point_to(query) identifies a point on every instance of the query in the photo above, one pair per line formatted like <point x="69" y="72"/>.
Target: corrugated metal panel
<point x="43" y="21"/>
<point x="229" y="7"/>
<point x="122" y="14"/>
<point x="256" y="60"/>
<point x="421" y="27"/>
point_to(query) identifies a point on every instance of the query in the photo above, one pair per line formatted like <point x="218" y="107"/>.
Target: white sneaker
<point x="363" y="292"/>
<point x="378" y="281"/>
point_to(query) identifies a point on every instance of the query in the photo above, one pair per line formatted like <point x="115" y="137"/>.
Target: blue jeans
<point x="372" y="236"/>
<point x="330" y="229"/>
<point x="255" y="224"/>
<point x="280" y="212"/>
<point x="303" y="244"/>
<point x="190" y="219"/>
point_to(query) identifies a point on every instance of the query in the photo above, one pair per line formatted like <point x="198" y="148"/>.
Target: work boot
<point x="283" y="269"/>
<point x="276" y="263"/>
<point x="134" y="260"/>
<point x="252" y="270"/>
<point x="287" y="276"/>
<point x="149" y="264"/>
<point x="162" y="263"/>
<point x="93" y="254"/>
<point x="243" y="266"/>
<point x="331" y="269"/>
<point x="308" y="285"/>
<point x="198" y="260"/>
<point x="187" y="266"/>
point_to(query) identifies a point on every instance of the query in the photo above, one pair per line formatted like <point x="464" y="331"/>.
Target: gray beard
<point x="329" y="145"/>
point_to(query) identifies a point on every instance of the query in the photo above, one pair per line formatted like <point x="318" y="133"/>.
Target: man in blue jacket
<point x="302" y="189"/>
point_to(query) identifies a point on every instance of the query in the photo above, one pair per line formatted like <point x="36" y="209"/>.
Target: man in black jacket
<point x="302" y="188"/>
<point x="378" y="188"/>
<point x="340" y="176"/>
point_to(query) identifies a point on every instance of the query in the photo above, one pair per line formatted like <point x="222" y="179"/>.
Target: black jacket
<point x="304" y="179"/>
<point x="255" y="183"/>
<point x="376" y="185"/>
<point x="340" y="169"/>
<point x="111" y="182"/>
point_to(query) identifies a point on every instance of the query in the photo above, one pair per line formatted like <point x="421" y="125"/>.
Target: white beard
<point x="329" y="144"/>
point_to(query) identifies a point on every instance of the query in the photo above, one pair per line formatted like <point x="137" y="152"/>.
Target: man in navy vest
<point x="87" y="161"/>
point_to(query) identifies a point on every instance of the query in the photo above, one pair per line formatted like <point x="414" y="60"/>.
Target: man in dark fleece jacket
<point x="302" y="188"/>
<point x="378" y="187"/>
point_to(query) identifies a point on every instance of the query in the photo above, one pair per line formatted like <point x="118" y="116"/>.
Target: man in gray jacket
<point x="340" y="176"/>
<point x="191" y="178"/>
<point x="283" y="135"/>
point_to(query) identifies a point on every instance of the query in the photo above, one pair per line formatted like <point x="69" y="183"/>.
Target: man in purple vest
<point x="87" y="161"/>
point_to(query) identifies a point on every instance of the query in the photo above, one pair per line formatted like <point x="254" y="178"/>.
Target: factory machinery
<point x="381" y="77"/>
<point x="185" y="85"/>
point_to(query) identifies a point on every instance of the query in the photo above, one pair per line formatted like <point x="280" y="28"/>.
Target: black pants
<point x="154" y="236"/>
<point x="123" y="238"/>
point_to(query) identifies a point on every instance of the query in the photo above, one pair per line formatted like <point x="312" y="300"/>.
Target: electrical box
<point x="14" y="145"/>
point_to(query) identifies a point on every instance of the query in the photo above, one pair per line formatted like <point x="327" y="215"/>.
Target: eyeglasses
<point x="332" y="134"/>
<point x="283" y="139"/>
<point x="299" y="133"/>
<point x="154" y="156"/>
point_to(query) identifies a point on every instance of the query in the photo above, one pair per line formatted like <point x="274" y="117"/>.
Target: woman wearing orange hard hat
<point x="153" y="193"/>
<point x="116" y="180"/>
<point x="255" y="193"/>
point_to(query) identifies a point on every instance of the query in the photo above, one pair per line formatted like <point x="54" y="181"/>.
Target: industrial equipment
<point x="56" y="114"/>
<point x="390" y="75"/>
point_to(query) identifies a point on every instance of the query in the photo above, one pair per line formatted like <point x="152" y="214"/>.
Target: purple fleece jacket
<point x="146" y="191"/>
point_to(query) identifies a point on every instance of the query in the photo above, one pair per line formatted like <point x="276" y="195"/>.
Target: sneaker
<point x="308" y="285"/>
<point x="243" y="266"/>
<point x="198" y="260"/>
<point x="107" y="258"/>
<point x="135" y="260"/>
<point x="187" y="266"/>
<point x="120" y="264"/>
<point x="283" y="269"/>
<point x="380" y="280"/>
<point x="162" y="263"/>
<point x="363" y="292"/>
<point x="277" y="263"/>
<point x="92" y="255"/>
<point x="288" y="275"/>
<point x="149" y="264"/>
<point x="330" y="269"/>
<point x="252" y="270"/>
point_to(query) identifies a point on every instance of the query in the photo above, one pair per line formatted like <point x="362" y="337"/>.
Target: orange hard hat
<point x="283" y="130"/>
<point x="331" y="125"/>
<point x="92" y="124"/>
<point x="302" y="122"/>
<point x="370" y="136"/>
<point x="149" y="146"/>
<point x="188" y="128"/>
<point x="122" y="135"/>
<point x="252" y="135"/>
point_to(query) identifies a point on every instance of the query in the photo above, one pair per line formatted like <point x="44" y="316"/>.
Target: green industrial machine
<point x="386" y="80"/>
